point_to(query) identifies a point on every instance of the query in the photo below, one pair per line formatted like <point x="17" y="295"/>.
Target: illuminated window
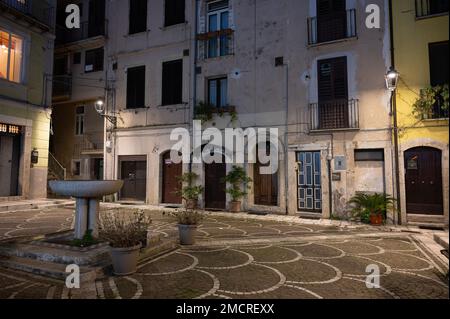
<point x="10" y="56"/>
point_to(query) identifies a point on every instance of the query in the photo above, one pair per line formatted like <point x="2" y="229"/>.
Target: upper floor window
<point x="174" y="12"/>
<point x="11" y="55"/>
<point x="218" y="20"/>
<point x="217" y="92"/>
<point x="172" y="82"/>
<point x="79" y="120"/>
<point x="439" y="75"/>
<point x="137" y="16"/>
<point x="94" y="60"/>
<point x="136" y="87"/>
<point x="426" y="8"/>
<point x="333" y="22"/>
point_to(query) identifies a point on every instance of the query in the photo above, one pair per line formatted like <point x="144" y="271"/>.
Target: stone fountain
<point x="87" y="195"/>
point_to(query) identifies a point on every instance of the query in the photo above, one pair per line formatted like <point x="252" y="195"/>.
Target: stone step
<point x="55" y="255"/>
<point x="441" y="240"/>
<point x="416" y="218"/>
<point x="31" y="205"/>
<point x="47" y="269"/>
<point x="428" y="225"/>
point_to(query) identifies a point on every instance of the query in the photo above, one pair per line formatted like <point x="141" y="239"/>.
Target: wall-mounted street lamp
<point x="391" y="79"/>
<point x="100" y="108"/>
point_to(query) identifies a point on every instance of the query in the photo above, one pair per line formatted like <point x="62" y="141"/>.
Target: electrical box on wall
<point x="34" y="156"/>
<point x="340" y="163"/>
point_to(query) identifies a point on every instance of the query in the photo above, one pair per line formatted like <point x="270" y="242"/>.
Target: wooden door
<point x="215" y="195"/>
<point x="331" y="20"/>
<point x="265" y="187"/>
<point x="423" y="178"/>
<point x="134" y="175"/>
<point x="171" y="184"/>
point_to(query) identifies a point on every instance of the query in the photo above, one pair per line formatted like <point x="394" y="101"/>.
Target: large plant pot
<point x="376" y="219"/>
<point x="125" y="260"/>
<point x="187" y="234"/>
<point x="235" y="207"/>
<point x="191" y="204"/>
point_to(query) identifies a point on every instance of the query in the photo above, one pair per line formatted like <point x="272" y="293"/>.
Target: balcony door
<point x="331" y="20"/>
<point x="333" y="93"/>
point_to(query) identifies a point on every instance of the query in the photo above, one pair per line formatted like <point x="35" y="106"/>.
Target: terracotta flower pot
<point x="235" y="207"/>
<point x="187" y="234"/>
<point x="191" y="204"/>
<point x="125" y="260"/>
<point x="376" y="219"/>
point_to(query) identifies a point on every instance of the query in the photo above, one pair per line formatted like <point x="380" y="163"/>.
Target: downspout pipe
<point x="395" y="118"/>
<point x="194" y="76"/>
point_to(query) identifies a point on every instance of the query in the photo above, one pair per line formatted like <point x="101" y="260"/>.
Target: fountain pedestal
<point x="88" y="195"/>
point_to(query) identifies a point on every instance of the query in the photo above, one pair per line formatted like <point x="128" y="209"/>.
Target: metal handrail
<point x="54" y="163"/>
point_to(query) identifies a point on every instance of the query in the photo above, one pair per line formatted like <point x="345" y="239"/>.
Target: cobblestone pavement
<point x="254" y="259"/>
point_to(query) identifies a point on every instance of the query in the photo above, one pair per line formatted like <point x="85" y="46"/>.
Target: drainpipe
<point x="194" y="75"/>
<point x="395" y="115"/>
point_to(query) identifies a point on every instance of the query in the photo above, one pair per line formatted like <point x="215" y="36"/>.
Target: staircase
<point x="55" y="172"/>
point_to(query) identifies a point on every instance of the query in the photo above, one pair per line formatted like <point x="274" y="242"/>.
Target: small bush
<point x="189" y="217"/>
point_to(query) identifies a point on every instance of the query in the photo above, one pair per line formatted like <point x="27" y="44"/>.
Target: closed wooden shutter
<point x="333" y="93"/>
<point x="331" y="20"/>
<point x="138" y="16"/>
<point x="172" y="82"/>
<point x="136" y="87"/>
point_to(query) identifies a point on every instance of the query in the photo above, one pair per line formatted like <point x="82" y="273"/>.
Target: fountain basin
<point x="86" y="189"/>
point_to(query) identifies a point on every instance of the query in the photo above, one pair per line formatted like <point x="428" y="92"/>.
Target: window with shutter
<point x="94" y="60"/>
<point x="174" y="12"/>
<point x="333" y="93"/>
<point x="137" y="16"/>
<point x="172" y="82"/>
<point x="331" y="20"/>
<point x="136" y="87"/>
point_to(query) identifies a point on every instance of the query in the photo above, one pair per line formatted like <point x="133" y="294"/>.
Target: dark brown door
<point x="423" y="180"/>
<point x="331" y="20"/>
<point x="215" y="195"/>
<point x="333" y="93"/>
<point x="171" y="181"/>
<point x="265" y="186"/>
<point x="134" y="175"/>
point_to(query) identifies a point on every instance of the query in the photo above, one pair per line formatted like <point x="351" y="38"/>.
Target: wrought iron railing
<point x="439" y="111"/>
<point x="56" y="168"/>
<point x="425" y="8"/>
<point x="87" y="144"/>
<point x="62" y="86"/>
<point x="334" y="115"/>
<point x="87" y="30"/>
<point x="332" y="27"/>
<point x="40" y="10"/>
<point x="215" y="44"/>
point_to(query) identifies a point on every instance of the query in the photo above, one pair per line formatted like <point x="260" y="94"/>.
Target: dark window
<point x="77" y="58"/>
<point x="60" y="66"/>
<point x="438" y="63"/>
<point x="430" y="7"/>
<point x="138" y="16"/>
<point x="369" y="155"/>
<point x="94" y="60"/>
<point x="136" y="87"/>
<point x="96" y="25"/>
<point x="333" y="93"/>
<point x="172" y="82"/>
<point x="174" y="12"/>
<point x="77" y="168"/>
<point x="217" y="92"/>
<point x="331" y="20"/>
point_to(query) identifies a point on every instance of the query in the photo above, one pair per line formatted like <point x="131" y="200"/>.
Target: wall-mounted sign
<point x="336" y="177"/>
<point x="9" y="129"/>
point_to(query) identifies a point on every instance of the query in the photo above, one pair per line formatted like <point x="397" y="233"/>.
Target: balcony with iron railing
<point x="439" y="110"/>
<point x="429" y="8"/>
<point x="215" y="44"/>
<point x="86" y="31"/>
<point x="334" y="115"/>
<point x="39" y="12"/>
<point x="332" y="27"/>
<point x="88" y="144"/>
<point x="62" y="87"/>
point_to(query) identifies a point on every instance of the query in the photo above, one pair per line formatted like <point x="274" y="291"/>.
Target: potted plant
<point x="371" y="208"/>
<point x="189" y="191"/>
<point x="238" y="180"/>
<point x="188" y="221"/>
<point x="126" y="233"/>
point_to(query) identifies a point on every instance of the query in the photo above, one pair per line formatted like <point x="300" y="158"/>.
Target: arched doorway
<point x="423" y="181"/>
<point x="171" y="184"/>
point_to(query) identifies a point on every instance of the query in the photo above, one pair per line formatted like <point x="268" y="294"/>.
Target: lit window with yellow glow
<point x="10" y="56"/>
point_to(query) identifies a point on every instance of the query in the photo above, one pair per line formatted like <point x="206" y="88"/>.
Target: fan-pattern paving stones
<point x="332" y="267"/>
